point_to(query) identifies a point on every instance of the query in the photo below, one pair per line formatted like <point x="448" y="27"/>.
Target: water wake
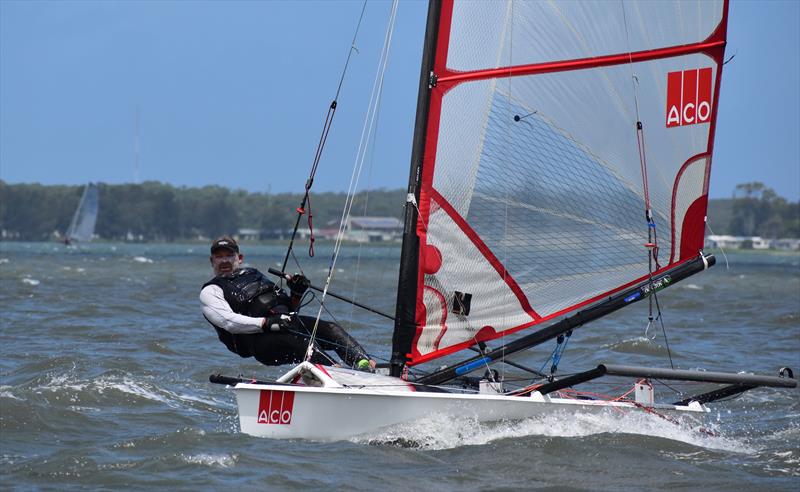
<point x="439" y="432"/>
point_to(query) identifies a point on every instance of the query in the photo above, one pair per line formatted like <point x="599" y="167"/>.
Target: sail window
<point x="461" y="301"/>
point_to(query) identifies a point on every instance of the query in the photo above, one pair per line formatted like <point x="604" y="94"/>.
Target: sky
<point x="235" y="93"/>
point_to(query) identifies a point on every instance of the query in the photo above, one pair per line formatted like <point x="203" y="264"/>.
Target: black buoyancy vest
<point x="250" y="293"/>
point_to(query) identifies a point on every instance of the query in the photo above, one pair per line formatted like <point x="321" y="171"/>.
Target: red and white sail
<point x="533" y="189"/>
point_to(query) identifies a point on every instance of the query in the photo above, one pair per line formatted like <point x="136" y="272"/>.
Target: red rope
<point x="310" y="230"/>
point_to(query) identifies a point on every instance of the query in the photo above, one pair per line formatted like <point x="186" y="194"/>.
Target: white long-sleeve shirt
<point x="217" y="310"/>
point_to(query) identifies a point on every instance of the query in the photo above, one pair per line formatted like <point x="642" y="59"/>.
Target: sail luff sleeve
<point x="405" y="315"/>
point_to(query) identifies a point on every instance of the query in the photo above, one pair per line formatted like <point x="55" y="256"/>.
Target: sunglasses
<point x="224" y="259"/>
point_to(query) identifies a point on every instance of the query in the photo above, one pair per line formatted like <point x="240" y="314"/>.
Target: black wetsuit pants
<point x="289" y="345"/>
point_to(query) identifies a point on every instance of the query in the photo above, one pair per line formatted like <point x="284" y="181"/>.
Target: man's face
<point x="225" y="261"/>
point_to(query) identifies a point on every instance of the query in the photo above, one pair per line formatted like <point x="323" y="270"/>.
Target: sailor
<point x="256" y="318"/>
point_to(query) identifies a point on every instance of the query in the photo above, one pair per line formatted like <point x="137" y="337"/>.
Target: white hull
<point x="334" y="412"/>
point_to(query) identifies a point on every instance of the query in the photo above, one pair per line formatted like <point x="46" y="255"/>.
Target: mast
<point x="405" y="315"/>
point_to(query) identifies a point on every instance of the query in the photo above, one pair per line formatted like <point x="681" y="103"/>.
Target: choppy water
<point x="105" y="359"/>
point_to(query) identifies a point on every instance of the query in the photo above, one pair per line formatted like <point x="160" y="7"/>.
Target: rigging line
<point x="514" y="364"/>
<point x="371" y="164"/>
<point x="333" y="317"/>
<point x="370" y="121"/>
<point x="639" y="126"/>
<point x="313" y="297"/>
<point x="322" y="350"/>
<point x="663" y="328"/>
<point x="727" y="266"/>
<point x="352" y="48"/>
<point x="552" y="354"/>
<point x="508" y="190"/>
<point x="413" y="201"/>
<point x="318" y="348"/>
<point x="669" y="386"/>
<point x="559" y="352"/>
<point x="296" y="262"/>
<point x="320" y="146"/>
<point x="647" y="329"/>
<point x="482" y="351"/>
<point x="301" y="210"/>
<point x="634" y="79"/>
<point x="366" y="132"/>
<point x="652" y="237"/>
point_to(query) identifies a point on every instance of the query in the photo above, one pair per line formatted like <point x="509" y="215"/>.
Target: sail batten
<point x="582" y="63"/>
<point x="533" y="185"/>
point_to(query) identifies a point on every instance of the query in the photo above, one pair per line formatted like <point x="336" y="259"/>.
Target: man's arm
<point x="217" y="311"/>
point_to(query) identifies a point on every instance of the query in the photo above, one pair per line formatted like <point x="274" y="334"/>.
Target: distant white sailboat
<point x="81" y="228"/>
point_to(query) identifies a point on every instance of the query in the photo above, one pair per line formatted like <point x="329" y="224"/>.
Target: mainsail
<point x="533" y="189"/>
<point x="82" y="226"/>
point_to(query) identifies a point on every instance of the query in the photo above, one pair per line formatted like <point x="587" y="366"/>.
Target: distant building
<point x="751" y="242"/>
<point x="248" y="234"/>
<point x="725" y="242"/>
<point x="373" y="229"/>
<point x="275" y="233"/>
<point x="758" y="242"/>
<point x="786" y="244"/>
<point x="360" y="230"/>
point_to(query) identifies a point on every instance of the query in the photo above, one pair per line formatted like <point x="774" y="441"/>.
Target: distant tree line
<point x="755" y="210"/>
<point x="155" y="211"/>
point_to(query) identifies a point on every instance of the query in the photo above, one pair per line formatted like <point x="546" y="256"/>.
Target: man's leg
<point x="331" y="336"/>
<point x="275" y="349"/>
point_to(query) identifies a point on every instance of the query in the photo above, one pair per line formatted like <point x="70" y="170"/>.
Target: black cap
<point x="225" y="242"/>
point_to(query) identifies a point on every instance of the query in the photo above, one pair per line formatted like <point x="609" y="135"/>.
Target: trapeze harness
<point x="250" y="293"/>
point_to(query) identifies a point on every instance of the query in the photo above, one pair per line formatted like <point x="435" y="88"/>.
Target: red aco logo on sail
<point x="275" y="407"/>
<point x="689" y="97"/>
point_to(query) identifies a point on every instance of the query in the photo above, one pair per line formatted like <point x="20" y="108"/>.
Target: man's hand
<point x="298" y="284"/>
<point x="276" y="323"/>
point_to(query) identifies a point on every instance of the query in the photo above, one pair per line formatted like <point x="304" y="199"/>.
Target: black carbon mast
<point x="405" y="315"/>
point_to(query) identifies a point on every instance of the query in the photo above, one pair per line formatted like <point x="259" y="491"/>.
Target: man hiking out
<point x="254" y="317"/>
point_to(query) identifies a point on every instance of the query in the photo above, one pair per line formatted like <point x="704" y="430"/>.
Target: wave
<point x="440" y="432"/>
<point x="214" y="460"/>
<point x="638" y="345"/>
<point x="90" y="393"/>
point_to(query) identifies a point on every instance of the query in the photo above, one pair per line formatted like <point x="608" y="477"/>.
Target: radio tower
<point x="136" y="146"/>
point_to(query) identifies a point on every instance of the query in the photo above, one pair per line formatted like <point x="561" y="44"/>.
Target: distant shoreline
<point x="303" y="244"/>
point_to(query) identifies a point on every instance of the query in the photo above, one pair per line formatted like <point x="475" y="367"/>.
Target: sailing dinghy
<point x="535" y="206"/>
<point x="81" y="228"/>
